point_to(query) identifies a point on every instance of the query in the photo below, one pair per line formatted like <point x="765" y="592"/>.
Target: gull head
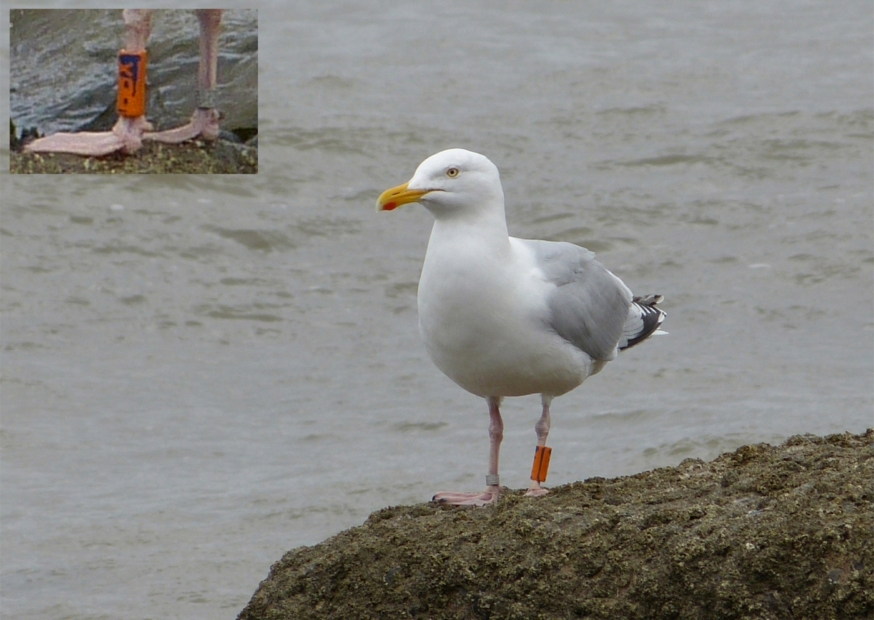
<point x="448" y="182"/>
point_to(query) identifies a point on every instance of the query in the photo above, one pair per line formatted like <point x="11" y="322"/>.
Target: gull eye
<point x="452" y="173"/>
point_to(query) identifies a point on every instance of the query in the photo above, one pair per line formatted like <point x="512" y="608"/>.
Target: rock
<point x="192" y="157"/>
<point x="762" y="532"/>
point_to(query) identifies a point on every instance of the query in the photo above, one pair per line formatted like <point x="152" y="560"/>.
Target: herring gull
<point x="503" y="316"/>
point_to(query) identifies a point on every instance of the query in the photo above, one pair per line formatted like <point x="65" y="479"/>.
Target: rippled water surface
<point x="200" y="373"/>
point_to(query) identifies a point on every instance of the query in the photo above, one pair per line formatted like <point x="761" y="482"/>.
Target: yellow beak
<point x="396" y="196"/>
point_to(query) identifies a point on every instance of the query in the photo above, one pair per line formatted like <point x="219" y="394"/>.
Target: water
<point x="201" y="373"/>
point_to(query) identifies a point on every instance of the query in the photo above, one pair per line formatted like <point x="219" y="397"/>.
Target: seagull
<point x="504" y="317"/>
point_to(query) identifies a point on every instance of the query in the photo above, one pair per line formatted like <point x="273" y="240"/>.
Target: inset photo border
<point x="133" y="91"/>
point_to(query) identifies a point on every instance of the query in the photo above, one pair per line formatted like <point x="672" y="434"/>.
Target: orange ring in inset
<point x="541" y="463"/>
<point x="132" y="83"/>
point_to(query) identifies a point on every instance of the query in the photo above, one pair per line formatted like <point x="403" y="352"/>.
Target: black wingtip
<point x="651" y="315"/>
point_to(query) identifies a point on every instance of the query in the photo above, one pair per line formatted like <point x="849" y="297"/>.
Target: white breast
<point x="482" y="315"/>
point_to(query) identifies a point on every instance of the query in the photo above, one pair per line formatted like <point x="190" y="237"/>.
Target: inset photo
<point x="134" y="91"/>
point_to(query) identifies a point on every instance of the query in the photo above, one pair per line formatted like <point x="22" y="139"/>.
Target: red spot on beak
<point x="389" y="206"/>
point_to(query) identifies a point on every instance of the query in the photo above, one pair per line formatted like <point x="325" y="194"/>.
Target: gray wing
<point x="589" y="306"/>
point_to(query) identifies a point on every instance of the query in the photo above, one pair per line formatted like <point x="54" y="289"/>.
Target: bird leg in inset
<point x="205" y="120"/>
<point x="127" y="133"/>
<point x="132" y="123"/>
<point x="493" y="484"/>
<point x="542" y="453"/>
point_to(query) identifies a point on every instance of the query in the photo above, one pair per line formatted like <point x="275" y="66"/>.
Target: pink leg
<point x="542" y="430"/>
<point x="493" y="488"/>
<point x="127" y="133"/>
<point x="205" y="120"/>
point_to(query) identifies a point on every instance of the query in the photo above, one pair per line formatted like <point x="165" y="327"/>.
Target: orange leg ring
<point x="132" y="83"/>
<point x="541" y="463"/>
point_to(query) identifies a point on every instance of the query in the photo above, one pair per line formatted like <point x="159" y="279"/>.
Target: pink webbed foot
<point x="84" y="143"/>
<point x="489" y="496"/>
<point x="130" y="131"/>
<point x="126" y="136"/>
<point x="535" y="490"/>
<point x="204" y="123"/>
